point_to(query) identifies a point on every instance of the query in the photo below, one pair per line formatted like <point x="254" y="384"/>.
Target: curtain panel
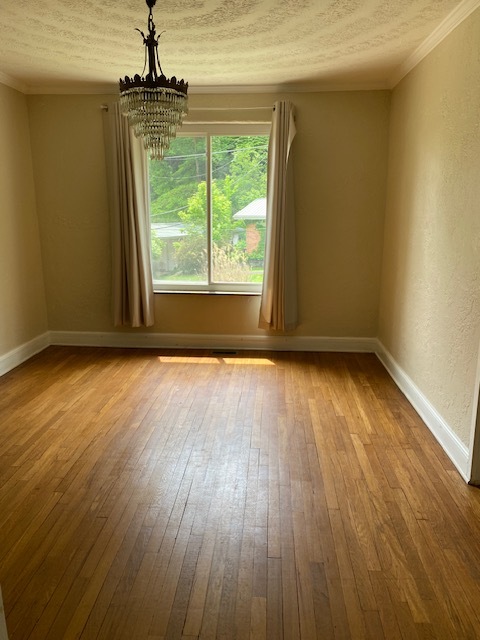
<point x="133" y="298"/>
<point x="278" y="308"/>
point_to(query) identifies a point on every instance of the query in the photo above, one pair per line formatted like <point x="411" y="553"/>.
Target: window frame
<point x="208" y="130"/>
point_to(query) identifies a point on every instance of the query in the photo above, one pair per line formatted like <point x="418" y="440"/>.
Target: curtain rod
<point x="201" y="123"/>
<point x="228" y="108"/>
<point x="105" y="108"/>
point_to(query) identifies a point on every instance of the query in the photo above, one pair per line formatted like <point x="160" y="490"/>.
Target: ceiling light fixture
<point x="154" y="105"/>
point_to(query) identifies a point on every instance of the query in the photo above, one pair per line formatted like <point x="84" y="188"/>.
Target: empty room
<point x="239" y="320"/>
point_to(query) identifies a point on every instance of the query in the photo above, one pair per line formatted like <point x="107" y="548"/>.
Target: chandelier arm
<point x="158" y="57"/>
<point x="145" y="57"/>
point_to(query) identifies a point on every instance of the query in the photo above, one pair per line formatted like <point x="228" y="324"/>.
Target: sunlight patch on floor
<point x="236" y="360"/>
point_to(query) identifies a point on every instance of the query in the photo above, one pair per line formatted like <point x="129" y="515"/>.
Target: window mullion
<point x="209" y="209"/>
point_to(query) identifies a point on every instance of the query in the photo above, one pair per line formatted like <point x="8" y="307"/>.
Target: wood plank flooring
<point x="181" y="495"/>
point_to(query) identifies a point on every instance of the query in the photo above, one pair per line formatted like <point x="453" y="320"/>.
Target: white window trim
<point x="207" y="130"/>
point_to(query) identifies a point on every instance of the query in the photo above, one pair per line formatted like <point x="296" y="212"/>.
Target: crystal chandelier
<point x="154" y="105"/>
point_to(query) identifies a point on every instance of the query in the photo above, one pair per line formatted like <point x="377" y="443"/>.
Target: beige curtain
<point x="129" y="207"/>
<point x="278" y="309"/>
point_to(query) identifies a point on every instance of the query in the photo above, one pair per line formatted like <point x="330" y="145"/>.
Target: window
<point x="207" y="211"/>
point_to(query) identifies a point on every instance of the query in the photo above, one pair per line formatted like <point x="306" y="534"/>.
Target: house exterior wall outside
<point x="23" y="314"/>
<point x="429" y="317"/>
<point x="339" y="155"/>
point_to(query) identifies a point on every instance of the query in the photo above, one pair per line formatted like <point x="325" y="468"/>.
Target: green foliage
<point x="247" y="167"/>
<point x="191" y="254"/>
<point x="174" y="179"/>
<point x="157" y="248"/>
<point x="178" y="193"/>
<point x="191" y="251"/>
<point x="194" y="217"/>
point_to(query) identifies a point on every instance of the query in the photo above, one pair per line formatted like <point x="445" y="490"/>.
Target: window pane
<point x="239" y="187"/>
<point x="178" y="210"/>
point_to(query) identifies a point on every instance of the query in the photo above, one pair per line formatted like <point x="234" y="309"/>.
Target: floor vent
<point x="224" y="352"/>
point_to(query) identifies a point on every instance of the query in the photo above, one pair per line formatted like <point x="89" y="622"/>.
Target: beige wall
<point x="23" y="314"/>
<point x="68" y="159"/>
<point x="430" y="300"/>
<point x="340" y="157"/>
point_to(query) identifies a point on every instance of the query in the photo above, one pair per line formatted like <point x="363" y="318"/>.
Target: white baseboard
<point x="451" y="444"/>
<point x="210" y="341"/>
<point x="3" y="624"/>
<point x="16" y="356"/>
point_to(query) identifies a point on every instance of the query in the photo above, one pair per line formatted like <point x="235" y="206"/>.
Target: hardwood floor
<point x="148" y="495"/>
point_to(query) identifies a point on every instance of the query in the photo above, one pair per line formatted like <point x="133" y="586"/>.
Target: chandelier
<point x="154" y="105"/>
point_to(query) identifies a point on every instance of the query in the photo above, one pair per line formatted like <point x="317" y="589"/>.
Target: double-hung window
<point x="208" y="209"/>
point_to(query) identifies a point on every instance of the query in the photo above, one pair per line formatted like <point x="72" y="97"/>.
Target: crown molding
<point x="451" y="22"/>
<point x="112" y="89"/>
<point x="73" y="89"/>
<point x="318" y="87"/>
<point x="13" y="83"/>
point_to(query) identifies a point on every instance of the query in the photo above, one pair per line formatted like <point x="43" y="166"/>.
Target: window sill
<point x="206" y="293"/>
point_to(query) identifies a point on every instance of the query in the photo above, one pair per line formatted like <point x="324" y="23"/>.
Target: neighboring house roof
<point x="168" y="229"/>
<point x="255" y="210"/>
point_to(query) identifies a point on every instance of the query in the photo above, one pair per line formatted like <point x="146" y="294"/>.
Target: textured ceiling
<point x="85" y="44"/>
